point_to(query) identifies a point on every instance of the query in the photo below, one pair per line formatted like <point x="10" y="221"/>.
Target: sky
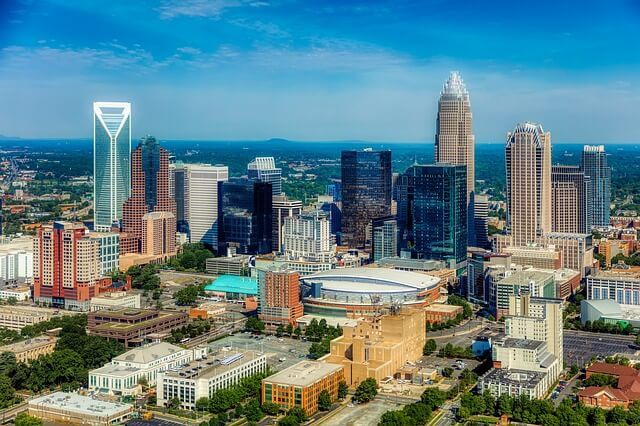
<point x="320" y="70"/>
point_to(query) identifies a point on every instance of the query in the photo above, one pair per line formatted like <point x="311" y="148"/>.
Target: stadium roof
<point x="372" y="280"/>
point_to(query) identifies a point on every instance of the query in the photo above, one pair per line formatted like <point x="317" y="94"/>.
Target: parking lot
<point x="580" y="346"/>
<point x="290" y="351"/>
<point x="363" y="415"/>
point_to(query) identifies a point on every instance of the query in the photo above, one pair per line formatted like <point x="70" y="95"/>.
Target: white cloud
<point x="171" y="9"/>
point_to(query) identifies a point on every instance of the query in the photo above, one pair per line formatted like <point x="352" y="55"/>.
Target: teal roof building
<point x="235" y="285"/>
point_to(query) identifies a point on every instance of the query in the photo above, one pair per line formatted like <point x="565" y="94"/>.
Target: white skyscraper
<point x="201" y="201"/>
<point x="111" y="161"/>
<point x="264" y="169"/>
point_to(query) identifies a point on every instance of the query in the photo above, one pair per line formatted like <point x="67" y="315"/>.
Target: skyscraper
<point x="570" y="190"/>
<point x="432" y="213"/>
<point x="481" y="221"/>
<point x="177" y="185"/>
<point x="149" y="187"/>
<point x="594" y="165"/>
<point x="111" y="161"/>
<point x="282" y="207"/>
<point x="366" y="192"/>
<point x="264" y="169"/>
<point x="307" y="236"/>
<point x="385" y="238"/>
<point x="454" y="141"/>
<point x="528" y="166"/>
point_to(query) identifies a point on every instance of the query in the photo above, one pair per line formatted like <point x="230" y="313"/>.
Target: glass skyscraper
<point x="366" y="192"/>
<point x="264" y="169"/>
<point x="111" y="161"/>
<point x="432" y="213"/>
<point x="594" y="165"/>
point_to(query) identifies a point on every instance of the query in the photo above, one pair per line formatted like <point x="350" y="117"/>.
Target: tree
<point x="288" y="421"/>
<point x="430" y="347"/>
<point x="7" y="392"/>
<point x="433" y="398"/>
<point x="254" y="324"/>
<point x="279" y="330"/>
<point x="187" y="296"/>
<point x="418" y="412"/>
<point x="271" y="408"/>
<point x="297" y="332"/>
<point x="447" y="372"/>
<point x="298" y="413"/>
<point x="396" y="418"/>
<point x="343" y="389"/>
<point x="202" y="404"/>
<point x="324" y="401"/>
<point x="174" y="403"/>
<point x="366" y="391"/>
<point x="252" y="411"/>
<point x="12" y="300"/>
<point x="142" y="381"/>
<point x="7" y="363"/>
<point x="23" y="419"/>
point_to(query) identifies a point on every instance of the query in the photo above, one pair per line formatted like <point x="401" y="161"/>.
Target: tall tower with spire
<point x="454" y="137"/>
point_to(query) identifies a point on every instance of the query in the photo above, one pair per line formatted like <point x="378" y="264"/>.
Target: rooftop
<point x="368" y="280"/>
<point x="304" y="373"/>
<point x="398" y="262"/>
<point x="148" y="353"/>
<point x="526" y="277"/>
<point x="618" y="274"/>
<point x="528" y="379"/>
<point x="79" y="404"/>
<point x="521" y="344"/>
<point x="28" y="344"/>
<point x="441" y="307"/>
<point x="213" y="365"/>
<point x="234" y="284"/>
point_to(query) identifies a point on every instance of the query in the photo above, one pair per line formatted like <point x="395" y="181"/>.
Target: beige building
<point x="31" y="349"/>
<point x="536" y="256"/>
<point x="454" y="142"/>
<point x="115" y="300"/>
<point x="528" y="166"/>
<point x="577" y="249"/>
<point x="569" y="199"/>
<point x="379" y="347"/>
<point x="158" y="234"/>
<point x="16" y="317"/>
<point x="75" y="409"/>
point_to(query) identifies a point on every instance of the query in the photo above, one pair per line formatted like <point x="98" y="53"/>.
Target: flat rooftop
<point x="28" y="344"/>
<point x="620" y="275"/>
<point x="213" y="365"/>
<point x="149" y="353"/>
<point x="304" y="373"/>
<point x="441" y="307"/>
<point x="115" y="370"/>
<point x="79" y="404"/>
<point x="528" y="379"/>
<point x="525" y="277"/>
<point x="521" y="343"/>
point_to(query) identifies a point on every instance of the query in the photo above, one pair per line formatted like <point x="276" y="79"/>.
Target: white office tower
<point x="201" y="201"/>
<point x="111" y="161"/>
<point x="264" y="169"/>
<point x="308" y="237"/>
<point x="282" y="207"/>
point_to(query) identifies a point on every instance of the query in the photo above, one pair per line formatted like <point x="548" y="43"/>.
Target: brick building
<point x="623" y="394"/>
<point x="279" y="302"/>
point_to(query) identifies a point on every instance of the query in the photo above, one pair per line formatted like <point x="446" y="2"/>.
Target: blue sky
<point x="320" y="70"/>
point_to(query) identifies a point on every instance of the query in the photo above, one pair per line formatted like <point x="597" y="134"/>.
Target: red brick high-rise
<point x="149" y="189"/>
<point x="279" y="297"/>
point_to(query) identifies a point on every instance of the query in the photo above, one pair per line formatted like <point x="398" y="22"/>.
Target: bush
<point x="366" y="391"/>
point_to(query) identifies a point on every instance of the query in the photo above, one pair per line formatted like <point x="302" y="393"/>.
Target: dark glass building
<point x="179" y="184"/>
<point x="366" y="193"/>
<point x="595" y="167"/>
<point x="432" y="213"/>
<point x="245" y="216"/>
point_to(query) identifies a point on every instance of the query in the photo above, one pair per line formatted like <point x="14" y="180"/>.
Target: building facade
<point x="279" y="296"/>
<point x="594" y="165"/>
<point x="528" y="165"/>
<point x="570" y="189"/>
<point x="158" y="234"/>
<point x="454" y="141"/>
<point x="31" y="349"/>
<point x="432" y="213"/>
<point x="111" y="161"/>
<point x="264" y="169"/>
<point x="283" y="207"/>
<point x="308" y="237"/>
<point x="366" y="192"/>
<point x="385" y="238"/>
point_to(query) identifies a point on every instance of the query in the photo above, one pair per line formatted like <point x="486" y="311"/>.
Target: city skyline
<point x="235" y="70"/>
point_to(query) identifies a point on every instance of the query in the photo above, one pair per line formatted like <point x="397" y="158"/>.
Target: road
<point x="218" y="332"/>
<point x="188" y="274"/>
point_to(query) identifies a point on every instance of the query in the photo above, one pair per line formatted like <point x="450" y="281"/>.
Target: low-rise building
<point x="16" y="317"/>
<point x="233" y="287"/>
<point x="610" y="311"/>
<point x="617" y="284"/>
<point x="208" y="310"/>
<point x="228" y="265"/>
<point x="440" y="312"/>
<point x="71" y="408"/>
<point x="115" y="300"/>
<point x="378" y="347"/>
<point x="124" y="373"/>
<point x="500" y="381"/>
<point x="202" y="378"/>
<point x="31" y="349"/>
<point x="623" y="394"/>
<point x="20" y="294"/>
<point x="300" y="385"/>
<point x="132" y="326"/>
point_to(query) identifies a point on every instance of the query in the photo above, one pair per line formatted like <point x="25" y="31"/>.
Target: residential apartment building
<point x="594" y="165"/>
<point x="158" y="234"/>
<point x="385" y="238"/>
<point x="570" y="189"/>
<point x="308" y="236"/>
<point x="199" y="379"/>
<point x="279" y="296"/>
<point x="300" y="385"/>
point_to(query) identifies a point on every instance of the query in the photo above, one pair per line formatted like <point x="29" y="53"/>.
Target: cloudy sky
<point x="320" y="70"/>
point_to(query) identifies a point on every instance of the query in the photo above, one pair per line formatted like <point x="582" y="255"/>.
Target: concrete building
<point x="594" y="165"/>
<point x="132" y="327"/>
<point x="570" y="190"/>
<point x="199" y="379"/>
<point x="158" y="234"/>
<point x="300" y="385"/>
<point x="16" y="317"/>
<point x="308" y="237"/>
<point x="511" y="382"/>
<point x="122" y="375"/>
<point x="478" y="265"/>
<point x="109" y="246"/>
<point x="455" y="142"/>
<point x="31" y="349"/>
<point x="623" y="287"/>
<point x="16" y="261"/>
<point x="283" y="207"/>
<point x="385" y="238"/>
<point x="228" y="265"/>
<point x="536" y="256"/>
<point x="533" y="282"/>
<point x="111" y="162"/>
<point x="577" y="250"/>
<point x="21" y="294"/>
<point x="528" y="163"/>
<point x="75" y="409"/>
<point x="279" y="300"/>
<point x="610" y="312"/>
<point x="379" y="347"/>
<point x="233" y="287"/>
<point x="115" y="300"/>
<point x="264" y="169"/>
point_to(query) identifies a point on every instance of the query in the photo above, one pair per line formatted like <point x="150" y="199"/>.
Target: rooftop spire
<point x="454" y="85"/>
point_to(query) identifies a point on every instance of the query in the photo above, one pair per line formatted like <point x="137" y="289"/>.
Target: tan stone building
<point x="536" y="256"/>
<point x="379" y="347"/>
<point x="528" y="164"/>
<point x="31" y="349"/>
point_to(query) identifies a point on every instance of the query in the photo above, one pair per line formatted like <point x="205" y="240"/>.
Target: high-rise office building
<point x="66" y="267"/>
<point x="366" y="192"/>
<point x="282" y="207"/>
<point x="201" y="201"/>
<point x="158" y="233"/>
<point x="385" y="238"/>
<point x="528" y="166"/>
<point x="111" y="161"/>
<point x="308" y="236"/>
<point x="335" y="190"/>
<point x="481" y="221"/>
<point x="264" y="169"/>
<point x="177" y="186"/>
<point x="594" y="165"/>
<point x="570" y="190"/>
<point x="279" y="291"/>
<point x="149" y="188"/>
<point x="454" y="141"/>
<point x="432" y="213"/>
<point x="246" y="215"/>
